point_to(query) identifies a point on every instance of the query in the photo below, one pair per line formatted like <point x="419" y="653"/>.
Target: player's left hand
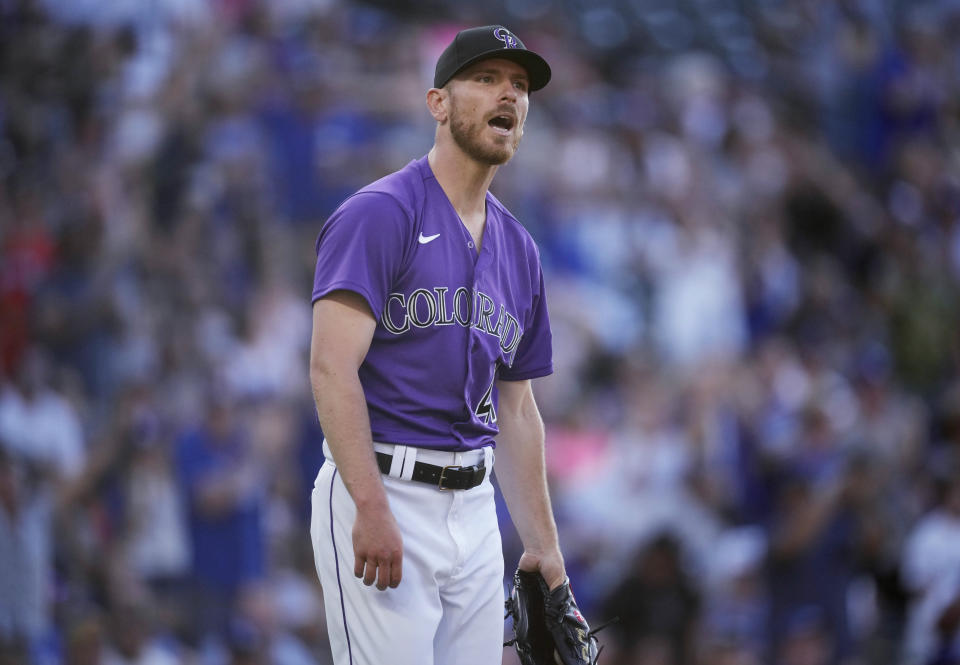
<point x="549" y="564"/>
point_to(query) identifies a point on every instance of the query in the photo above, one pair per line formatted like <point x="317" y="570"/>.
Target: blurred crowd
<point x="749" y="218"/>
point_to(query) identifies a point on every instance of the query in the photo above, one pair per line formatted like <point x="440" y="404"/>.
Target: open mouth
<point x="503" y="123"/>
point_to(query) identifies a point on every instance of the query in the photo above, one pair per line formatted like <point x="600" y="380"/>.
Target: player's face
<point x="488" y="106"/>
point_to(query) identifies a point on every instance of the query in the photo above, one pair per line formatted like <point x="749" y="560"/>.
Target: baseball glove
<point x="548" y="627"/>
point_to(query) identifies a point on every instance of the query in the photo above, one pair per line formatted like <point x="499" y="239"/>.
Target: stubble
<point x="468" y="137"/>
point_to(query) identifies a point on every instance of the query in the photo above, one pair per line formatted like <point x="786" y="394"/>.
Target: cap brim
<point x="537" y="68"/>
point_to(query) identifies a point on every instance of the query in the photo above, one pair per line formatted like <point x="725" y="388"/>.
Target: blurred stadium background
<point x="749" y="216"/>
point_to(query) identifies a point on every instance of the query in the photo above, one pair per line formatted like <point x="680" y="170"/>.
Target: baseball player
<point x="429" y="322"/>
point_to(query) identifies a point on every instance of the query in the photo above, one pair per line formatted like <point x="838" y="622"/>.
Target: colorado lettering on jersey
<point x="424" y="308"/>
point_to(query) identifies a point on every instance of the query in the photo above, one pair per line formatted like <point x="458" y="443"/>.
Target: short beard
<point x="468" y="138"/>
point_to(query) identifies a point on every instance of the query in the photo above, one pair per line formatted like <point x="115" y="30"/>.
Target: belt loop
<point x="488" y="458"/>
<point x="409" y="459"/>
<point x="396" y="461"/>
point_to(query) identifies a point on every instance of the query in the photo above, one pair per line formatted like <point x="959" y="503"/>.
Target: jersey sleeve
<point x="361" y="248"/>
<point x="534" y="357"/>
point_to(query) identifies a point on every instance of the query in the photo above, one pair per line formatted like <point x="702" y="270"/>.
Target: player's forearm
<point x="521" y="472"/>
<point x="342" y="410"/>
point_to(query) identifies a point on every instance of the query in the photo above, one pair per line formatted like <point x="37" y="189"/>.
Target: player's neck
<point x="464" y="180"/>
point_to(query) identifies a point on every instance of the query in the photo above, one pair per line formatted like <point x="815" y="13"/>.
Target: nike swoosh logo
<point x="425" y="239"/>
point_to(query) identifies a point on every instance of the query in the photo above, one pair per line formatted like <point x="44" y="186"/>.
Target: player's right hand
<point x="377" y="548"/>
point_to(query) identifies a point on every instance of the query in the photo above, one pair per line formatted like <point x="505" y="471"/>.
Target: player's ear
<point x="438" y="100"/>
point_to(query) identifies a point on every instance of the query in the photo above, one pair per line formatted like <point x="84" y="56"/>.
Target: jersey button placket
<point x="474" y="349"/>
<point x="482" y="260"/>
<point x="471" y="347"/>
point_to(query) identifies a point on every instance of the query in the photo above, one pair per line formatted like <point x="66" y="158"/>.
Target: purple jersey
<point x="449" y="320"/>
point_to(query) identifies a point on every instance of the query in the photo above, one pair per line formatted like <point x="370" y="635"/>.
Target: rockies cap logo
<point x="509" y="41"/>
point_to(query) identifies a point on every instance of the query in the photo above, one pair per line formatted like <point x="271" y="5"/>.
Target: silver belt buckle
<point x="442" y="472"/>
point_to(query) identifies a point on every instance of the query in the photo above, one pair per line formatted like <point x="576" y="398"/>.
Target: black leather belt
<point x="450" y="477"/>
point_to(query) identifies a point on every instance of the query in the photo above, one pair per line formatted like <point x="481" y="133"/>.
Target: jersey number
<point x="486" y="412"/>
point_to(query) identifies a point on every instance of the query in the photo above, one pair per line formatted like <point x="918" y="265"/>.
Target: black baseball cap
<point x="489" y="41"/>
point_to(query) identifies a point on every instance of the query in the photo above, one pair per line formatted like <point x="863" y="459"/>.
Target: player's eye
<point x="520" y="85"/>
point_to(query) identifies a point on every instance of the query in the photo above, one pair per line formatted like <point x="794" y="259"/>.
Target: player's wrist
<point x="372" y="503"/>
<point x="539" y="551"/>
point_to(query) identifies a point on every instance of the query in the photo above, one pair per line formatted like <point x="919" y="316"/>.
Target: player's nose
<point x="508" y="92"/>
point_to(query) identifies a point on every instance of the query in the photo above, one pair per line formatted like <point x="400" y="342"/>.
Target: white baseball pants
<point x="448" y="608"/>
